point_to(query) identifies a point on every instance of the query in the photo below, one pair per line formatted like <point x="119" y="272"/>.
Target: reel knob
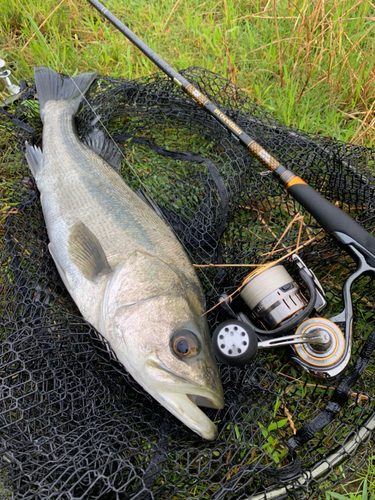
<point x="235" y="343"/>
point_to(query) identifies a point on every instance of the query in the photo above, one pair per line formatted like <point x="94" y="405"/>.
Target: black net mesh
<point x="73" y="423"/>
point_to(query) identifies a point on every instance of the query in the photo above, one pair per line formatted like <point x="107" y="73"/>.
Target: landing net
<point x="73" y="423"/>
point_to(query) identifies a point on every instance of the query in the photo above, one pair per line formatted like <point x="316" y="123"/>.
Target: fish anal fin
<point x="86" y="252"/>
<point x="104" y="147"/>
<point x="34" y="157"/>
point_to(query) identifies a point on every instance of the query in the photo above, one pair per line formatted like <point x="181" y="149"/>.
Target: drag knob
<point x="320" y="358"/>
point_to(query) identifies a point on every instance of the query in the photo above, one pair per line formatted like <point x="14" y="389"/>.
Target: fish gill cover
<point x="73" y="423"/>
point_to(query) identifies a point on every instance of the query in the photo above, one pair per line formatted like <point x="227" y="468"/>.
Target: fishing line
<point x="98" y="119"/>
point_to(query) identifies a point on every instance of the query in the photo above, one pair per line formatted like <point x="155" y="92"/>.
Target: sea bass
<point x="122" y="265"/>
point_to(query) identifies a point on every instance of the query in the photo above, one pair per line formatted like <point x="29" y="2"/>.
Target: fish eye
<point x="185" y="344"/>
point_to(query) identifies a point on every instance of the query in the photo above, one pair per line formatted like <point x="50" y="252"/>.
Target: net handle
<point x="331" y="218"/>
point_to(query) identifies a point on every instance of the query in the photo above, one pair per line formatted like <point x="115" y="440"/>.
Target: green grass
<point x="310" y="63"/>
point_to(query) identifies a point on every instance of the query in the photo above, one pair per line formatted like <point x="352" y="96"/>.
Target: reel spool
<point x="273" y="296"/>
<point x="278" y="304"/>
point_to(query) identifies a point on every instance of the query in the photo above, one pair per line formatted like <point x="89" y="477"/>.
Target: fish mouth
<point x="184" y="407"/>
<point x="204" y="401"/>
<point x="184" y="399"/>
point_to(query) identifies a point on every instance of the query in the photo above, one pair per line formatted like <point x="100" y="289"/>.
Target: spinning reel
<point x="277" y="303"/>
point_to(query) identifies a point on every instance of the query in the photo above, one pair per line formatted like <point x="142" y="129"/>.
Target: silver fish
<point x="122" y="265"/>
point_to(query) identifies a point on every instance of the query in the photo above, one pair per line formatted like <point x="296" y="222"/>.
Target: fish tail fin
<point x="50" y="87"/>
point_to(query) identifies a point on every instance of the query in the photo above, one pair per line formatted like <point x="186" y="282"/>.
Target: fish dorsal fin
<point x="104" y="147"/>
<point x="86" y="252"/>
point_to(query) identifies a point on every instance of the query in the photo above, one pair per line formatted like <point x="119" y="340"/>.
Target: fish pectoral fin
<point x="86" y="252"/>
<point x="34" y="157"/>
<point x="104" y="147"/>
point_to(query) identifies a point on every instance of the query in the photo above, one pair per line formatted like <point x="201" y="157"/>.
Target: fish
<point x="123" y="266"/>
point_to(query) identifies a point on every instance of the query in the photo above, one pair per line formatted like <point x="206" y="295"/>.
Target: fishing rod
<point x="320" y="346"/>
